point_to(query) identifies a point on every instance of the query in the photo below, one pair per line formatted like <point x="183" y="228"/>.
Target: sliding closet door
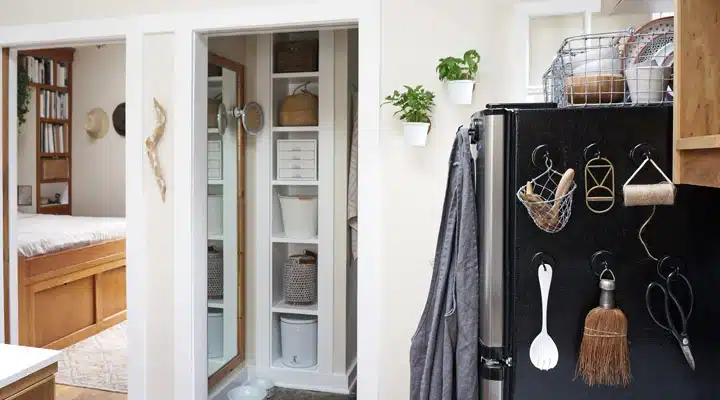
<point x="226" y="216"/>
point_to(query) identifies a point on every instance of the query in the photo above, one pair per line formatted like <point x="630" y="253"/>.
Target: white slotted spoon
<point x="543" y="351"/>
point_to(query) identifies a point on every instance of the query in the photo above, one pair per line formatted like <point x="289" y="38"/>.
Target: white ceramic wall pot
<point x="460" y="92"/>
<point x="416" y="133"/>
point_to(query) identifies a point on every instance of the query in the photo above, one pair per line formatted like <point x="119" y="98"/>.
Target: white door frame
<point x="189" y="355"/>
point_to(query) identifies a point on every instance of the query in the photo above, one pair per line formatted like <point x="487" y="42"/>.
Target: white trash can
<point x="215" y="334"/>
<point x="298" y="340"/>
<point x="299" y="216"/>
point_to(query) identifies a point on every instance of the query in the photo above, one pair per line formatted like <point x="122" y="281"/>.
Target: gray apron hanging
<point x="444" y="350"/>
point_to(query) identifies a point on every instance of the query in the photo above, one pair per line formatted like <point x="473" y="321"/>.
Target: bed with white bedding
<point x="46" y="233"/>
<point x="71" y="277"/>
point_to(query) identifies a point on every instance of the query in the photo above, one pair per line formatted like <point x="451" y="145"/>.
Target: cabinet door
<point x="697" y="93"/>
<point x="43" y="390"/>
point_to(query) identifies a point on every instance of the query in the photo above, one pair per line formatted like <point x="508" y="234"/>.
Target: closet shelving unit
<point x="225" y="187"/>
<point x="274" y="246"/>
<point x="50" y="72"/>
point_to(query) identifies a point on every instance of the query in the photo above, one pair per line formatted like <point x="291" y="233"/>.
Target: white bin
<point x="215" y="334"/>
<point x="298" y="335"/>
<point x="299" y="216"/>
<point x="215" y="214"/>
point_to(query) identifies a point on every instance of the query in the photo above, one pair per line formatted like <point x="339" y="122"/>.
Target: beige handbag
<point x="299" y="109"/>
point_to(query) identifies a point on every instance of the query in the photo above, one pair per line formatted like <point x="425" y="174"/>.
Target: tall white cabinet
<point x="318" y="146"/>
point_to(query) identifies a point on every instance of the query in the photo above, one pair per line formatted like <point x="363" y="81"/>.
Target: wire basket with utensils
<point x="627" y="67"/>
<point x="548" y="198"/>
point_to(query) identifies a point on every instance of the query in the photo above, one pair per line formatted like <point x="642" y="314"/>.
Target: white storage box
<point x="299" y="216"/>
<point x="296" y="160"/>
<point x="298" y="340"/>
<point x="214" y="157"/>
<point x="215" y="214"/>
<point x="215" y="334"/>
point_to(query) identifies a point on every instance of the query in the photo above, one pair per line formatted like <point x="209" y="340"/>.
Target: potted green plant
<point x="459" y="76"/>
<point x="23" y="95"/>
<point x="415" y="106"/>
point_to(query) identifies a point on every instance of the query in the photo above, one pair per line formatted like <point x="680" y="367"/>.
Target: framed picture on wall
<point x="24" y="195"/>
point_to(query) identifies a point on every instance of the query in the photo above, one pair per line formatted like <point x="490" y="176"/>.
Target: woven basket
<point x="296" y="56"/>
<point x="215" y="272"/>
<point x="299" y="109"/>
<point x="300" y="279"/>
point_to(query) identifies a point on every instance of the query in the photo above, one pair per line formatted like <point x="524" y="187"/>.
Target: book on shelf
<point x="53" y="104"/>
<point x="46" y="72"/>
<point x="52" y="138"/>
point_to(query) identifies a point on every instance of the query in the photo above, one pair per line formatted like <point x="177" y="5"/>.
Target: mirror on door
<point x="224" y="212"/>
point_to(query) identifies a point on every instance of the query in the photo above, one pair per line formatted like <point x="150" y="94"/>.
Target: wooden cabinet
<point x="697" y="93"/>
<point x="37" y="386"/>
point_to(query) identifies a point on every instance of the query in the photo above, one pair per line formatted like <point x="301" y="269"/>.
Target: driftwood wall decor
<point x="151" y="146"/>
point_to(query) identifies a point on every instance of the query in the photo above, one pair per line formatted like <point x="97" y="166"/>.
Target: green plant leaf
<point x="414" y="104"/>
<point x="454" y="68"/>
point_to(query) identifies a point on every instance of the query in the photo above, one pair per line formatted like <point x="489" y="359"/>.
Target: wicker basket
<point x="300" y="279"/>
<point x="296" y="56"/>
<point x="215" y="272"/>
<point x="299" y="109"/>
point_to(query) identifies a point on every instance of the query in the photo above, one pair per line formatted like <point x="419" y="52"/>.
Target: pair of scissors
<point x="670" y="299"/>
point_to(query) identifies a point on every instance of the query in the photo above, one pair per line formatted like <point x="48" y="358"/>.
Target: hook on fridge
<point x="540" y="259"/>
<point x="640" y="153"/>
<point x="600" y="262"/>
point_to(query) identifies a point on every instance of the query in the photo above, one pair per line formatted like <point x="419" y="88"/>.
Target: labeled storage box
<point x="297" y="160"/>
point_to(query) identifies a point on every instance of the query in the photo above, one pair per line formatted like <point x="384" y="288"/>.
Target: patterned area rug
<point x="98" y="362"/>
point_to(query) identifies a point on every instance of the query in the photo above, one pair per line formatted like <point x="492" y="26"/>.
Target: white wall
<point x="546" y="36"/>
<point x="98" y="166"/>
<point x="413" y="179"/>
<point x="158" y="83"/>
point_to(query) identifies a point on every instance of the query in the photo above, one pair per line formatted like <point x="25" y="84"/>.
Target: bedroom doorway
<point x="66" y="214"/>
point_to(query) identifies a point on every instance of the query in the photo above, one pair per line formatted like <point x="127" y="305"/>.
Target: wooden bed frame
<point x="67" y="296"/>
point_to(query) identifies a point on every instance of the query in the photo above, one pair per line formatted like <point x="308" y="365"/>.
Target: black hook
<point x="600" y="261"/>
<point x="674" y="266"/>
<point x="541" y="258"/>
<point x="640" y="152"/>
<point x="540" y="151"/>
<point x="591" y="151"/>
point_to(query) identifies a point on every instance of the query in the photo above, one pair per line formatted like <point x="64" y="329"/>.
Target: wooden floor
<point x="77" y="393"/>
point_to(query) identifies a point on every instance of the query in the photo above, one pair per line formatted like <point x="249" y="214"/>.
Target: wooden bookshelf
<point x="50" y="72"/>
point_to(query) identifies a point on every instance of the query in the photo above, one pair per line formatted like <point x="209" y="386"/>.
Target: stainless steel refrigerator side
<point x="491" y="206"/>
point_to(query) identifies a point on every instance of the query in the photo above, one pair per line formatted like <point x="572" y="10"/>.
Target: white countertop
<point x="18" y="362"/>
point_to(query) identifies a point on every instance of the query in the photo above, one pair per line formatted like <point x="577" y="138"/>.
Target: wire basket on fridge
<point x="615" y="68"/>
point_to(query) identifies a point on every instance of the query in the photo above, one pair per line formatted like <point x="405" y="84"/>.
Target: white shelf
<point x="296" y="75"/>
<point x="215" y="80"/>
<point x="214" y="131"/>
<point x="313" y="128"/>
<point x="216" y="303"/>
<point x="281" y="238"/>
<point x="215" y="237"/>
<point x="215" y="182"/>
<point x="277" y="363"/>
<point x="294" y="183"/>
<point x="285" y="308"/>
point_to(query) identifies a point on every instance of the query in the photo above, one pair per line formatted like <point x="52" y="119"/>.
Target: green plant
<point x="23" y="95"/>
<point x="414" y="104"/>
<point x="458" y="69"/>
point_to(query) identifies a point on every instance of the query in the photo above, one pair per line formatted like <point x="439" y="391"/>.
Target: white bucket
<point x="416" y="133"/>
<point x="298" y="340"/>
<point x="215" y="334"/>
<point x="299" y="216"/>
<point x="460" y="92"/>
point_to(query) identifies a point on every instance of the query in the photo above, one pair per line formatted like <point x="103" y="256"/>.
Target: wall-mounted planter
<point x="460" y="92"/>
<point x="416" y="133"/>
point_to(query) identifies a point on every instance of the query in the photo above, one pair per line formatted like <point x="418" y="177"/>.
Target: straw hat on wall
<point x="96" y="123"/>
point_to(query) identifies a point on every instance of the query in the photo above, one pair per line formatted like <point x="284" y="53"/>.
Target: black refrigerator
<point x="506" y="136"/>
